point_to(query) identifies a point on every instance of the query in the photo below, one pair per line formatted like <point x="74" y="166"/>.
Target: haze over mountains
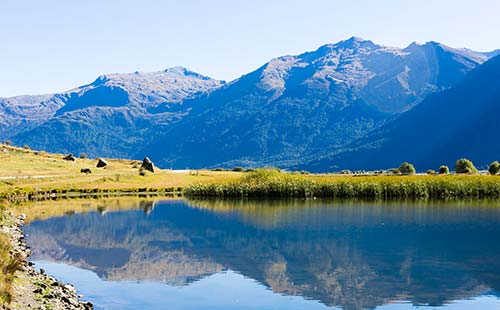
<point x="295" y="111"/>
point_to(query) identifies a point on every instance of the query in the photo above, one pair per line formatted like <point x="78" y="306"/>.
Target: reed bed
<point x="273" y="183"/>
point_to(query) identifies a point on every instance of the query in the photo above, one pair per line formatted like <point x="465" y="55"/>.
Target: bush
<point x="345" y="172"/>
<point x="8" y="142"/>
<point x="238" y="169"/>
<point x="407" y="169"/>
<point x="494" y="168"/>
<point x="444" y="170"/>
<point x="83" y="155"/>
<point x="393" y="171"/>
<point x="26" y="147"/>
<point x="430" y="171"/>
<point x="465" y="166"/>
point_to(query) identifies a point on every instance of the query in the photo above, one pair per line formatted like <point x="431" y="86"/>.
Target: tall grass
<point x="9" y="263"/>
<point x="272" y="183"/>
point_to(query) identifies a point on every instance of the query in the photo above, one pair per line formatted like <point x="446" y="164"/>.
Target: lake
<point x="278" y="254"/>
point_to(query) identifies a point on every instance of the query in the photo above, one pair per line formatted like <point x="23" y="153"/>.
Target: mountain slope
<point x="292" y="109"/>
<point x="23" y="113"/>
<point x="459" y="122"/>
<point x="297" y="105"/>
<point x="117" y="112"/>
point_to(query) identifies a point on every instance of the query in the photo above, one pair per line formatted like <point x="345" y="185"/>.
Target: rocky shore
<point x="34" y="289"/>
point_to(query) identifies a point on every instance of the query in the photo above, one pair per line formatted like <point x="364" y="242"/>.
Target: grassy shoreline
<point x="272" y="183"/>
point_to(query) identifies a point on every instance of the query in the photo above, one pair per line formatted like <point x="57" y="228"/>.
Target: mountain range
<point x="322" y="110"/>
<point x="459" y="122"/>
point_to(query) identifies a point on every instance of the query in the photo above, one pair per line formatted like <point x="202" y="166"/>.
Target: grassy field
<point x="25" y="171"/>
<point x="32" y="174"/>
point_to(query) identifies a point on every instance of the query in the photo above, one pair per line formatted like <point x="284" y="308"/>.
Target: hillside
<point x="299" y="105"/>
<point x="459" y="122"/>
<point x="37" y="172"/>
<point x="114" y="114"/>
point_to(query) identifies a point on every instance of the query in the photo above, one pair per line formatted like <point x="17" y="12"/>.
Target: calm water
<point x="276" y="255"/>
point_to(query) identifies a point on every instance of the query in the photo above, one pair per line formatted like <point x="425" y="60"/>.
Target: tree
<point x="494" y="168"/>
<point x="407" y="169"/>
<point x="465" y="166"/>
<point x="444" y="170"/>
<point x="430" y="171"/>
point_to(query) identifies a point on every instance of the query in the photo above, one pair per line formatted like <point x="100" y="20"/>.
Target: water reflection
<point x="348" y="254"/>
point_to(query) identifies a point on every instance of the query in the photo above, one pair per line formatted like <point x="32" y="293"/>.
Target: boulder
<point x="85" y="170"/>
<point x="69" y="157"/>
<point x="147" y="164"/>
<point x="101" y="163"/>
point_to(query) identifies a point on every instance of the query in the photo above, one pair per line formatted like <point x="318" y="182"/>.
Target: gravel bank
<point x="34" y="289"/>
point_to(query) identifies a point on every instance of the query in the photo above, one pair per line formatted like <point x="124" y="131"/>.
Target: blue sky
<point x="49" y="46"/>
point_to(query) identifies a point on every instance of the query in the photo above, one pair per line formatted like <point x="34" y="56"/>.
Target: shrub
<point x="345" y="172"/>
<point x="26" y="147"/>
<point x="8" y="142"/>
<point x="83" y="155"/>
<point x="238" y="169"/>
<point x="393" y="171"/>
<point x="407" y="169"/>
<point x="444" y="170"/>
<point x="430" y="171"/>
<point x="494" y="168"/>
<point x="465" y="166"/>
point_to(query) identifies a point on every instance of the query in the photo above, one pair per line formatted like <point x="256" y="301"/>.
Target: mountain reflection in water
<point x="349" y="254"/>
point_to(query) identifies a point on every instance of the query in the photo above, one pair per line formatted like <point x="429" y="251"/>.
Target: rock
<point x="86" y="170"/>
<point x="37" y="291"/>
<point x="70" y="288"/>
<point x="147" y="164"/>
<point x="101" y="163"/>
<point x="69" y="157"/>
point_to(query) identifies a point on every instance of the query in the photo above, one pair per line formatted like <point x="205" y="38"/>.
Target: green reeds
<point x="272" y="183"/>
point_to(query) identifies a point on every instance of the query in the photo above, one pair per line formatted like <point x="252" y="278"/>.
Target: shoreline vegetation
<point x="33" y="175"/>
<point x="274" y="183"/>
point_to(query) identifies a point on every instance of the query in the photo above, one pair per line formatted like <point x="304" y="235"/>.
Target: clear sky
<point x="49" y="46"/>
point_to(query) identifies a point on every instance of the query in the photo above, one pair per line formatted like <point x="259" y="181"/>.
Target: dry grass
<point x="9" y="264"/>
<point x="27" y="171"/>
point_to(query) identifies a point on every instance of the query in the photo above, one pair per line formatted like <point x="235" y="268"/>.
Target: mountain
<point x="115" y="113"/>
<point x="292" y="110"/>
<point x="298" y="105"/>
<point x="458" y="122"/>
<point x="21" y="113"/>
